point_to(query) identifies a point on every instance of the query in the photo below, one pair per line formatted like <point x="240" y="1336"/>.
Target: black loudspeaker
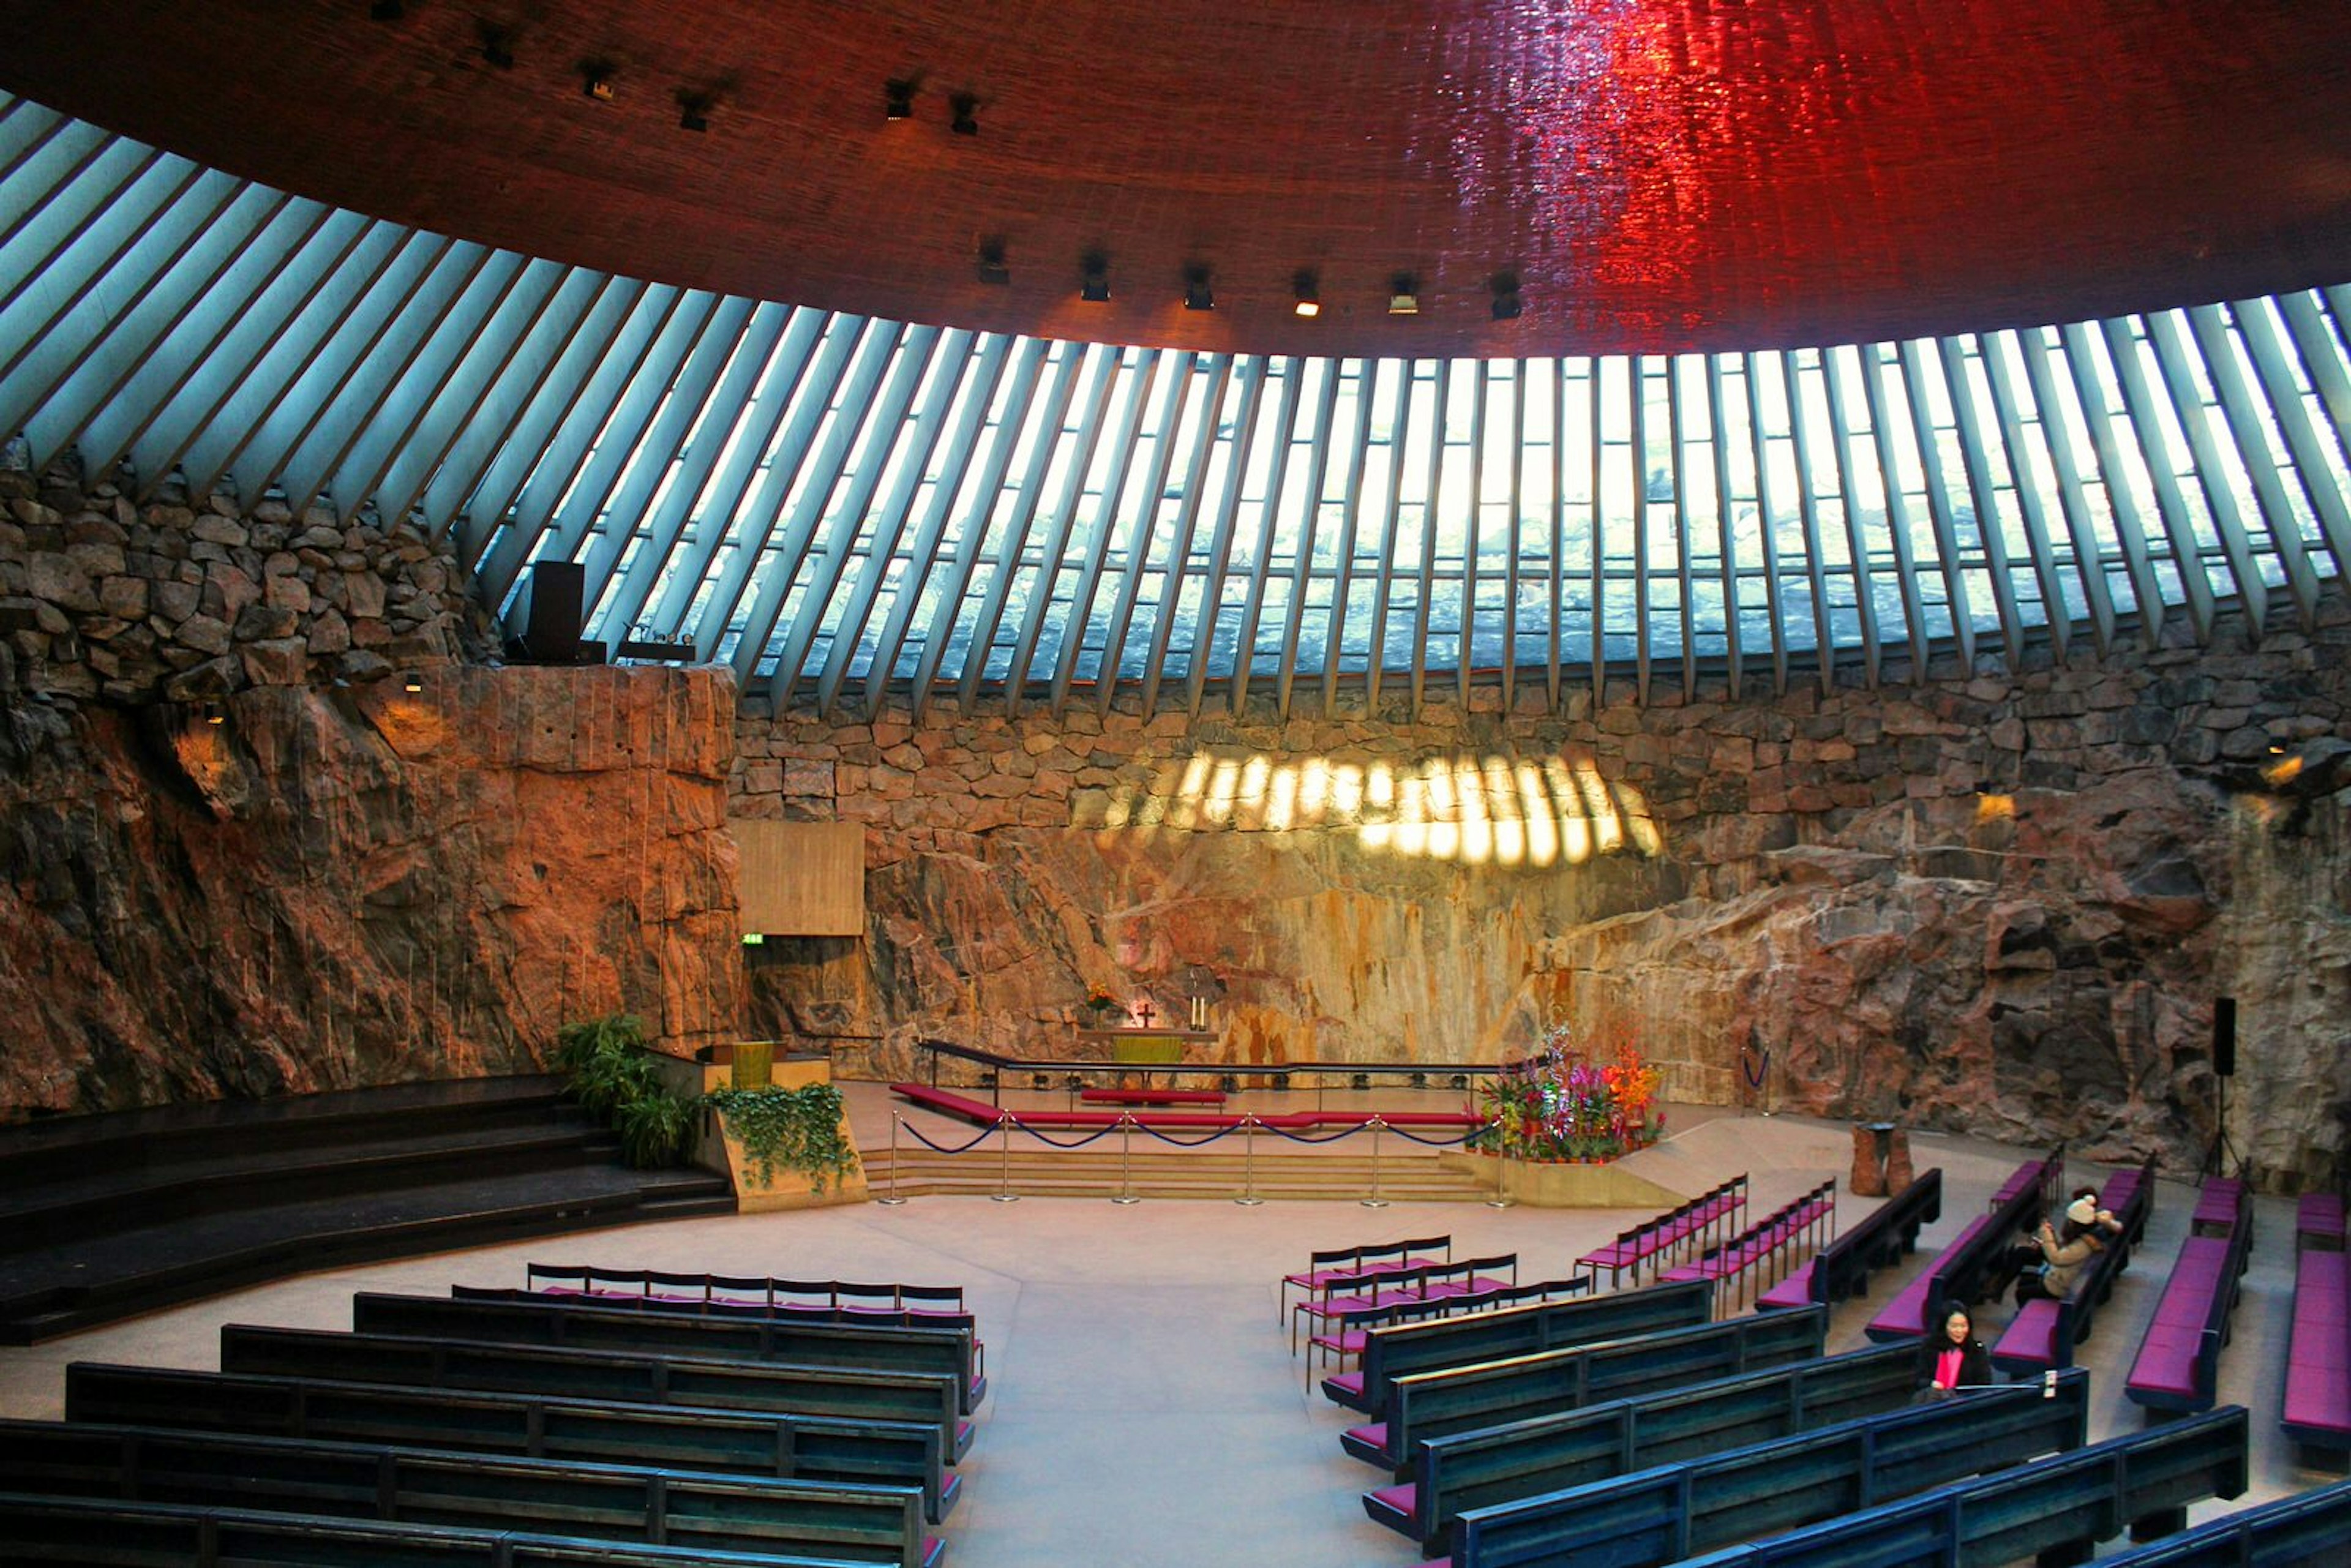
<point x="552" y="633"/>
<point x="2224" y="1036"/>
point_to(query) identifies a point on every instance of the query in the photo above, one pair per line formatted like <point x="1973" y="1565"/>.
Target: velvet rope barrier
<point x="916" y="1132"/>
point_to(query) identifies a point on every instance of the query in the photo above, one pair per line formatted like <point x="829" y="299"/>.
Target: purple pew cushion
<point x="1393" y="1506"/>
<point x="2032" y="1336"/>
<point x="1795" y="1290"/>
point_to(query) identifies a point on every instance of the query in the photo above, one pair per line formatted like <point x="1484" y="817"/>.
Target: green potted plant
<point x="613" y="1078"/>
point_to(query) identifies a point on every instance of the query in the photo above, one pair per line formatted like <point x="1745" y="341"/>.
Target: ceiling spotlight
<point x="898" y="99"/>
<point x="1197" y="295"/>
<point x="596" y="80"/>
<point x="1404" y="297"/>
<point x="1309" y="292"/>
<point x="1093" y="279"/>
<point x="1505" y="285"/>
<point x="413" y="683"/>
<point x="992" y="268"/>
<point x="215" y="712"/>
<point x="497" y="45"/>
<point x="693" y="111"/>
<point x="963" y="107"/>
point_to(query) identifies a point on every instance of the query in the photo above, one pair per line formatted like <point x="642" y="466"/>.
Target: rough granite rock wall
<point x="342" y="882"/>
<point x="2001" y="904"/>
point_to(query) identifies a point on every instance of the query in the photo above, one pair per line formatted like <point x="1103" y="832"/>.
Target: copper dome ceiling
<point x="1656" y="174"/>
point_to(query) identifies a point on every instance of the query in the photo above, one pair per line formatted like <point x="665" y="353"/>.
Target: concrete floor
<point x="1144" y="1408"/>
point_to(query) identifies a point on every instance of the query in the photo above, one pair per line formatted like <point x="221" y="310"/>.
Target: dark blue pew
<point x="1975" y="1263"/>
<point x="565" y="1372"/>
<point x="2043" y="1332"/>
<point x="2311" y="1527"/>
<point x="95" y="1530"/>
<point x="1551" y="1453"/>
<point x="1487" y="1394"/>
<point x="730" y="1442"/>
<point x="874" y="1524"/>
<point x="1658" y="1516"/>
<point x="687" y="1331"/>
<point x="1401" y="1351"/>
<point x="2058" y="1506"/>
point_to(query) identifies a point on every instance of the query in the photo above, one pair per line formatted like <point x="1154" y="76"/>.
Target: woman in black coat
<point x="1951" y="1358"/>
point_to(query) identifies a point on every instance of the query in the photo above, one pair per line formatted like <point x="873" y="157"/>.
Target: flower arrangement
<point x="1100" y="1001"/>
<point x="1559" y="1105"/>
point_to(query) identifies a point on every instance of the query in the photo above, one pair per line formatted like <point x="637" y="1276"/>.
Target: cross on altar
<point x="1144" y="1013"/>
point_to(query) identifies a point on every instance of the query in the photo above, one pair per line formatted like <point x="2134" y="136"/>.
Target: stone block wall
<point x="1987" y="902"/>
<point x="103" y="599"/>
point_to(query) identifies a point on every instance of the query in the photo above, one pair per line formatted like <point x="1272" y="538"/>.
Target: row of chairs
<point x="1413" y="1284"/>
<point x="827" y="1297"/>
<point x="1681" y="1231"/>
<point x="1765" y="1249"/>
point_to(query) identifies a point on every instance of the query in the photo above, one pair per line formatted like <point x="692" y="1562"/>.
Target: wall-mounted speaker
<point x="2224" y="1036"/>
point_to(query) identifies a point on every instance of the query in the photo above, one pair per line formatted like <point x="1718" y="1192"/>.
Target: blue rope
<point x="942" y="1148"/>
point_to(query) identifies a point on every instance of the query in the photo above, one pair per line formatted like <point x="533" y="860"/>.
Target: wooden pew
<point x="730" y="1442"/>
<point x="2043" y="1332"/>
<point x="2308" y="1527"/>
<point x="1488" y="1394"/>
<point x="566" y="1372"/>
<point x="2315" y="1410"/>
<point x="684" y="1331"/>
<point x="1975" y="1263"/>
<point x="1407" y="1348"/>
<point x="2179" y="1362"/>
<point x="100" y="1531"/>
<point x="2059" y="1506"/>
<point x="1842" y="1269"/>
<point x="1551" y="1453"/>
<point x="871" y="1524"/>
<point x="1658" y="1516"/>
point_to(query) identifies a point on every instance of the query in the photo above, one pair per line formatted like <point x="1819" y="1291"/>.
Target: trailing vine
<point x="795" y="1129"/>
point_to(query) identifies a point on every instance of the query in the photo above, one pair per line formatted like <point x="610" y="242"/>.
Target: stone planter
<point x="1541" y="1184"/>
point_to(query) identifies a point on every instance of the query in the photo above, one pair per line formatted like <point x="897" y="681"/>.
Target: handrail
<point x="1001" y="1064"/>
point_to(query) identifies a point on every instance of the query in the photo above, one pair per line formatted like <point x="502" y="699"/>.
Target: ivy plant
<point x="790" y="1129"/>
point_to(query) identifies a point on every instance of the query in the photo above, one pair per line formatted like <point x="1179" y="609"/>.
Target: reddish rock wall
<point x="342" y="882"/>
<point x="1997" y="905"/>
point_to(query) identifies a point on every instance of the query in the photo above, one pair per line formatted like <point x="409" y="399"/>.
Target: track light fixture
<point x="992" y="268"/>
<point x="596" y="79"/>
<point x="216" y="714"/>
<point x="412" y="683"/>
<point x="1404" y="295"/>
<point x="497" y="45"/>
<point x="1197" y="295"/>
<point x="1505" y="296"/>
<point x="1309" y="293"/>
<point x="1093" y="279"/>
<point x="964" y="111"/>
<point x="898" y="99"/>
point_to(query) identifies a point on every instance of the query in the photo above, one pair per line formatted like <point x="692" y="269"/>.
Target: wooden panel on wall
<point x="801" y="879"/>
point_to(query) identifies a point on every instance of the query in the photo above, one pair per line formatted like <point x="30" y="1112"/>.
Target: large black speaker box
<point x="552" y="631"/>
<point x="2224" y="1036"/>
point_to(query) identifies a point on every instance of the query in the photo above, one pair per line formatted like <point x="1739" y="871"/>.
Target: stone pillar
<point x="1868" y="1177"/>
<point x="1898" y="1174"/>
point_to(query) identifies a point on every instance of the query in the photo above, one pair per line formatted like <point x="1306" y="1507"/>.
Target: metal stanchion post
<point x="894" y="1200"/>
<point x="1501" y="1166"/>
<point x="1126" y="1160"/>
<point x="1248" y="1197"/>
<point x="1004" y="1193"/>
<point x="1375" y="1201"/>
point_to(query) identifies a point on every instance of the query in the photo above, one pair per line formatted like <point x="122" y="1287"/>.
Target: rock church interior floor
<point x="1143" y="1407"/>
